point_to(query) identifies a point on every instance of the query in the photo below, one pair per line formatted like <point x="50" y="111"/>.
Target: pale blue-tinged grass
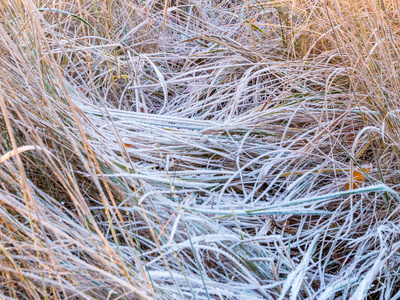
<point x="199" y="150"/>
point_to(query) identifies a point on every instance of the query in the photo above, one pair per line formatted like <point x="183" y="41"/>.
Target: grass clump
<point x="199" y="150"/>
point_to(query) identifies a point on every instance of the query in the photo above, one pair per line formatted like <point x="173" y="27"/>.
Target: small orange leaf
<point x="358" y="177"/>
<point x="81" y="69"/>
<point x="128" y="145"/>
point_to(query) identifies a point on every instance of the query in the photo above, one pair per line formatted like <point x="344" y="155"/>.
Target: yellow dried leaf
<point x="358" y="177"/>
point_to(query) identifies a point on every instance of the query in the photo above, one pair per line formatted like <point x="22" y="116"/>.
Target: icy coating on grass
<point x="199" y="149"/>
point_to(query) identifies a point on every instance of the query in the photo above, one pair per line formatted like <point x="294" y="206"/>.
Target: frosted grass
<point x="199" y="150"/>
